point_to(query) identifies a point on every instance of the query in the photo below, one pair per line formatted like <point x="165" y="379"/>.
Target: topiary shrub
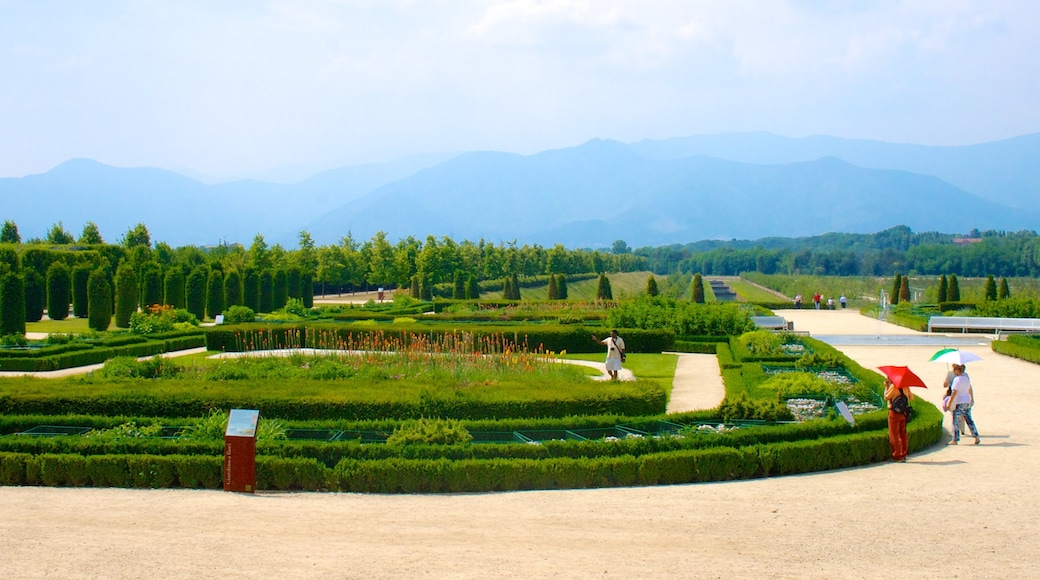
<point x="127" y="292"/>
<point x="430" y="432"/>
<point x="173" y="288"/>
<point x="239" y="314"/>
<point x="99" y="301"/>
<point x="80" y="275"/>
<point x="59" y="286"/>
<point x="195" y="292"/>
<point x="215" y="294"/>
<point x="12" y="305"/>
<point x="35" y="295"/>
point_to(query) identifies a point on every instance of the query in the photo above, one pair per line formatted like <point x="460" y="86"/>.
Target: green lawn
<point x="70" y="325"/>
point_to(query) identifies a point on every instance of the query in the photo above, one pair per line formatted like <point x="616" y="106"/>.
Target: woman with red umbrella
<point x="898" y="381"/>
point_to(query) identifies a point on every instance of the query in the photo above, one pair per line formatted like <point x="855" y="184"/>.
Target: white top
<point x="961" y="391"/>
<point x="611" y="351"/>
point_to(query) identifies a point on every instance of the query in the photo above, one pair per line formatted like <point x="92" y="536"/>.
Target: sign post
<point x="240" y="451"/>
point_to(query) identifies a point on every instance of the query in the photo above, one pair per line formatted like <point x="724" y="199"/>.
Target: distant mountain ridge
<point x="681" y="190"/>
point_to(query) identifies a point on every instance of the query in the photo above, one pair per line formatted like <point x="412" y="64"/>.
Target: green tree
<point x="195" y="291"/>
<point x="955" y="289"/>
<point x="904" y="289"/>
<point x="127" y="294"/>
<point x="507" y="291"/>
<point x="260" y="254"/>
<point x="293" y="282"/>
<point x="59" y="287"/>
<point x="651" y="286"/>
<point x="458" y="291"/>
<point x="80" y="275"/>
<point x="561" y="285"/>
<point x="514" y="287"/>
<point x="472" y="288"/>
<point x="266" y="291"/>
<point x="413" y="288"/>
<point x="697" y="293"/>
<point x="173" y="288"/>
<point x="425" y="288"/>
<point x="1004" y="292"/>
<point x="897" y="285"/>
<point x="307" y="284"/>
<point x="91" y="234"/>
<point x="12" y="304"/>
<point x="99" y="300"/>
<point x="59" y="235"/>
<point x="233" y="288"/>
<point x="281" y="289"/>
<point x="944" y="288"/>
<point x="35" y="287"/>
<point x="137" y="236"/>
<point x="554" y="290"/>
<point x="9" y="233"/>
<point x="603" y="291"/>
<point x="215" y="293"/>
<point x="620" y="247"/>
<point x="251" y="289"/>
<point x="990" y="290"/>
<point x="151" y="284"/>
<point x="9" y="259"/>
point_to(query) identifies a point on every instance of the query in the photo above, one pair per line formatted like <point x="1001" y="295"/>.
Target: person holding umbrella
<point x="898" y="381"/>
<point x="961" y="400"/>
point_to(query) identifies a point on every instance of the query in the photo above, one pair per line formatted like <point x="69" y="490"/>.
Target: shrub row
<point x="554" y="338"/>
<point x="437" y="475"/>
<point x="1023" y="347"/>
<point x="75" y="357"/>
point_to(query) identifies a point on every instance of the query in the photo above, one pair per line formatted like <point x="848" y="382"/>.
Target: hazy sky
<point x="231" y="88"/>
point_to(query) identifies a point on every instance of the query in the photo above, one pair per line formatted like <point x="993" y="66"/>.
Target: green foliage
<point x="280" y="288"/>
<point x="127" y="293"/>
<point x="1005" y="291"/>
<point x="9" y="233"/>
<point x="91" y="234"/>
<point x="458" y="291"/>
<point x="897" y="284"/>
<point x="743" y="408"/>
<point x="214" y="293"/>
<point x="603" y="291"/>
<point x="151" y="284"/>
<point x="195" y="291"/>
<point x="989" y="293"/>
<point x="697" y="291"/>
<point x="80" y="275"/>
<point x="561" y="286"/>
<point x="904" y="289"/>
<point x="239" y="314"/>
<point x="233" y="288"/>
<point x="251" y="289"/>
<point x="682" y="318"/>
<point x="137" y="236"/>
<point x="651" y="286"/>
<point x="1010" y="308"/>
<point x="266" y="292"/>
<point x="173" y="288"/>
<point x="553" y="292"/>
<point x="214" y="425"/>
<point x="59" y="287"/>
<point x="99" y="301"/>
<point x="472" y="288"/>
<point x="35" y="290"/>
<point x="761" y="342"/>
<point x="430" y="432"/>
<point x="12" y="305"/>
<point x="944" y="287"/>
<point x="954" y="292"/>
<point x="126" y="367"/>
<point x="58" y="235"/>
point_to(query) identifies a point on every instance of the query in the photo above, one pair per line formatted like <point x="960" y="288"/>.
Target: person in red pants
<point x="897" y="422"/>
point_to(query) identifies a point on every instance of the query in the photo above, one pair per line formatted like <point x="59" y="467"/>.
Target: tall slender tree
<point x="472" y="288"/>
<point x="697" y="294"/>
<point x="553" y="292"/>
<point x="897" y="285"/>
<point x="215" y="293"/>
<point x="603" y="291"/>
<point x="944" y="287"/>
<point x="35" y="287"/>
<point x="1004" y="291"/>
<point x="12" y="304"/>
<point x="233" y="288"/>
<point x="59" y="289"/>
<point x="195" y="291"/>
<point x="904" y="289"/>
<point x="954" y="293"/>
<point x="989" y="292"/>
<point x="127" y="294"/>
<point x="173" y="288"/>
<point x="99" y="300"/>
<point x="80" y="275"/>
<point x="651" y="286"/>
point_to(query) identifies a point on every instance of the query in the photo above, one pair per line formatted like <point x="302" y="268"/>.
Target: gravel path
<point x="950" y="511"/>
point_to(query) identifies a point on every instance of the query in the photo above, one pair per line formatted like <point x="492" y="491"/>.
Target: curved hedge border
<point x="81" y="354"/>
<point x="1026" y="348"/>
<point x="445" y="475"/>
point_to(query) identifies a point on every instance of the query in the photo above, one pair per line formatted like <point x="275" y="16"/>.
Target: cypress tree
<point x="127" y="293"/>
<point x="514" y="285"/>
<point x="904" y="289"/>
<point x="553" y="292"/>
<point x="651" y="286"/>
<point x="173" y="288"/>
<point x="944" y="287"/>
<point x="12" y="303"/>
<point x="251" y="289"/>
<point x="99" y="301"/>
<point x="151" y="284"/>
<point x="990" y="291"/>
<point x="9" y="258"/>
<point x="1004" y="291"/>
<point x="697" y="294"/>
<point x="294" y="282"/>
<point x="80" y="275"/>
<point x="35" y="300"/>
<point x="897" y="285"/>
<point x="266" y="291"/>
<point x="413" y="289"/>
<point x="59" y="286"/>
<point x="603" y="291"/>
<point x="281" y="289"/>
<point x="195" y="291"/>
<point x="425" y="288"/>
<point x="307" y="288"/>
<point x="561" y="285"/>
<point x="507" y="292"/>
<point x="458" y="291"/>
<point x="232" y="288"/>
<point x="954" y="293"/>
<point x="214" y="294"/>
<point x="472" y="288"/>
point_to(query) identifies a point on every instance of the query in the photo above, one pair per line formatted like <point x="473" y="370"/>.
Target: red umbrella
<point x="903" y="377"/>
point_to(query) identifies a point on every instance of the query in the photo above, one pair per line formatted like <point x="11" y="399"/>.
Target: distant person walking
<point x="897" y="422"/>
<point x="842" y="300"/>
<point x="798" y="301"/>
<point x="961" y="399"/>
<point x="615" y="352"/>
<point x="816" y="300"/>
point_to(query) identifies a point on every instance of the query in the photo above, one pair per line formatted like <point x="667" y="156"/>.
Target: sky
<point x="283" y="88"/>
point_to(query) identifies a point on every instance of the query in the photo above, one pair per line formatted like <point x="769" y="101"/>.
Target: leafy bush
<point x="99" y="301"/>
<point x="239" y="314"/>
<point x="761" y="342"/>
<point x="715" y="319"/>
<point x="295" y="307"/>
<point x="743" y="408"/>
<point x="430" y="432"/>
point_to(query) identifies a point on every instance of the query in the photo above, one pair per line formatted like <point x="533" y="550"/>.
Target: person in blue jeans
<point x="961" y="399"/>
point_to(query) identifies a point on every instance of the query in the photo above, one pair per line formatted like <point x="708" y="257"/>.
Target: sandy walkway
<point x="951" y="511"/>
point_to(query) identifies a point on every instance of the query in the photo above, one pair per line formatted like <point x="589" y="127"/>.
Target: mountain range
<point x="747" y="186"/>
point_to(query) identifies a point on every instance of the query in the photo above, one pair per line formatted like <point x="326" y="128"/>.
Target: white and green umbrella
<point x="954" y="356"/>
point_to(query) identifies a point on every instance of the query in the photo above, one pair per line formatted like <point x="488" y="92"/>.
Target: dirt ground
<point x="964" y="511"/>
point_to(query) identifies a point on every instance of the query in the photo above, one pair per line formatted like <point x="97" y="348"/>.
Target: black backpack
<point x="901" y="403"/>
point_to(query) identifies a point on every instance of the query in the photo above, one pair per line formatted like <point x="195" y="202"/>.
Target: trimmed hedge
<point x="554" y="338"/>
<point x="1023" y="347"/>
<point x="75" y="354"/>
